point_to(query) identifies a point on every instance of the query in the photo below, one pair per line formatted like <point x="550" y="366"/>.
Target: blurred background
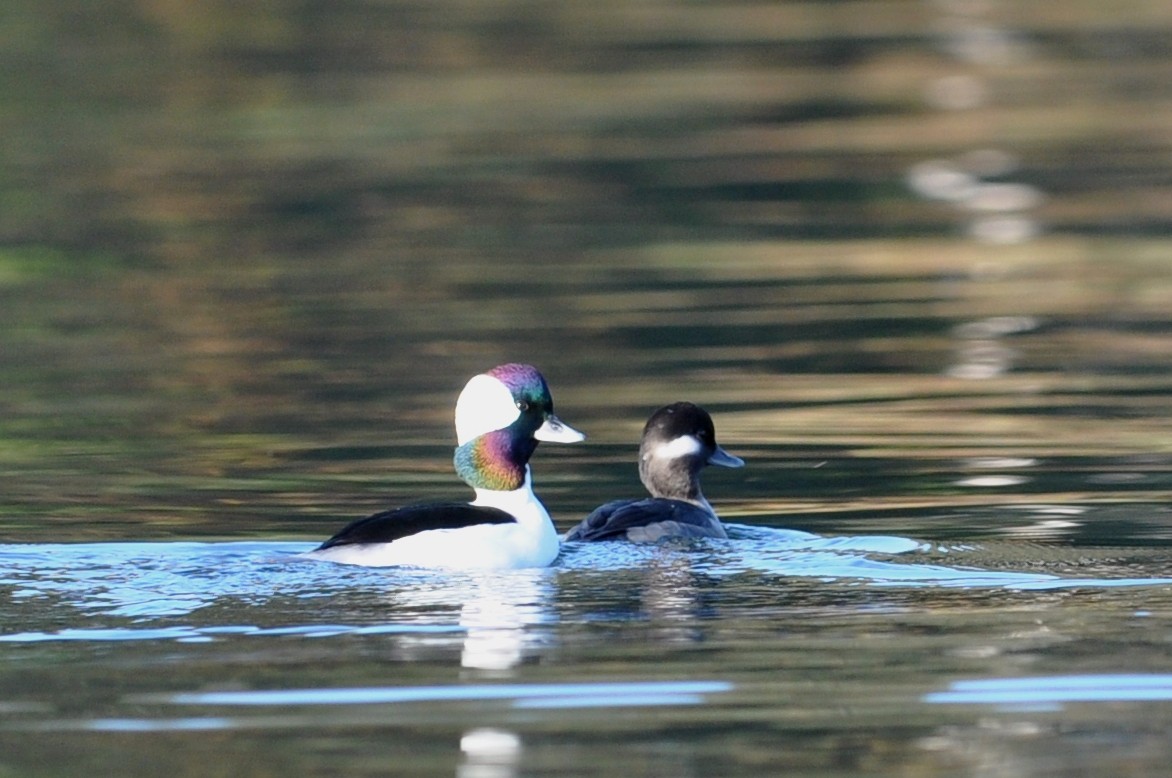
<point x="250" y="252"/>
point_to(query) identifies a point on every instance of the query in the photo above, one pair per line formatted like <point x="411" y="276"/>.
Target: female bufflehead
<point x="500" y="417"/>
<point x="678" y="441"/>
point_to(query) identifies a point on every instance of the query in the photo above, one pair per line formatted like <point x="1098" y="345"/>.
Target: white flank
<point x="530" y="542"/>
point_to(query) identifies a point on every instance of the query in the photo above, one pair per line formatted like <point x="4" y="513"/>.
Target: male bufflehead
<point x="501" y="415"/>
<point x="678" y="441"/>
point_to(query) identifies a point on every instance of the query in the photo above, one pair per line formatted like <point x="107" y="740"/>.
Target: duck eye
<point x="522" y="406"/>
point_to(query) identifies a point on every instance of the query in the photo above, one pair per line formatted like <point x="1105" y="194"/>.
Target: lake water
<point x="913" y="256"/>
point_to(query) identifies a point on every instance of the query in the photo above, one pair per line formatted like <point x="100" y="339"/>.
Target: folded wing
<point x="390" y="526"/>
<point x="647" y="520"/>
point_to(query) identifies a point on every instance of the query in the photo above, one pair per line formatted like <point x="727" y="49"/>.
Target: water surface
<point x="913" y="257"/>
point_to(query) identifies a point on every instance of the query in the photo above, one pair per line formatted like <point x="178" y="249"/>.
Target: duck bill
<point x="725" y="459"/>
<point x="554" y="430"/>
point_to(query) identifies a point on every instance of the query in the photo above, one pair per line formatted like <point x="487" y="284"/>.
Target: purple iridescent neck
<point x="495" y="460"/>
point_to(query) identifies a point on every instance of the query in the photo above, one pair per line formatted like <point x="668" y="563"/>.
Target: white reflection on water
<point x="188" y="634"/>
<point x="1051" y="690"/>
<point x="993" y="212"/>
<point x="496" y="619"/>
<point x="980" y="349"/>
<point x="992" y="481"/>
<point x="481" y="747"/>
<point x="194" y="724"/>
<point x="549" y="695"/>
<point x="489" y="753"/>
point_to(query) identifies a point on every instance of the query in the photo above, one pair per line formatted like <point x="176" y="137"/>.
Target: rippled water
<point x="773" y="650"/>
<point x="914" y="257"/>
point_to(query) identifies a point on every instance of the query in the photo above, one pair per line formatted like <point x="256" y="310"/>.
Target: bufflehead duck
<point x="501" y="416"/>
<point x="679" y="440"/>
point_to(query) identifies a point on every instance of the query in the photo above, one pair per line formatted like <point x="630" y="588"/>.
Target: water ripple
<point x="521" y="695"/>
<point x="1050" y="690"/>
<point x="151" y="581"/>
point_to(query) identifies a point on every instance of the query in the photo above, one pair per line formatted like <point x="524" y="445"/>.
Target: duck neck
<point x="496" y="461"/>
<point x="673" y="479"/>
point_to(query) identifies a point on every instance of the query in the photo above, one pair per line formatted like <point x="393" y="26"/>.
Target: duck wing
<point x="389" y="526"/>
<point x="647" y="520"/>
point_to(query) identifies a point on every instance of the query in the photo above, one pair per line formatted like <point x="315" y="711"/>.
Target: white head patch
<point x="485" y="405"/>
<point x="683" y="446"/>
